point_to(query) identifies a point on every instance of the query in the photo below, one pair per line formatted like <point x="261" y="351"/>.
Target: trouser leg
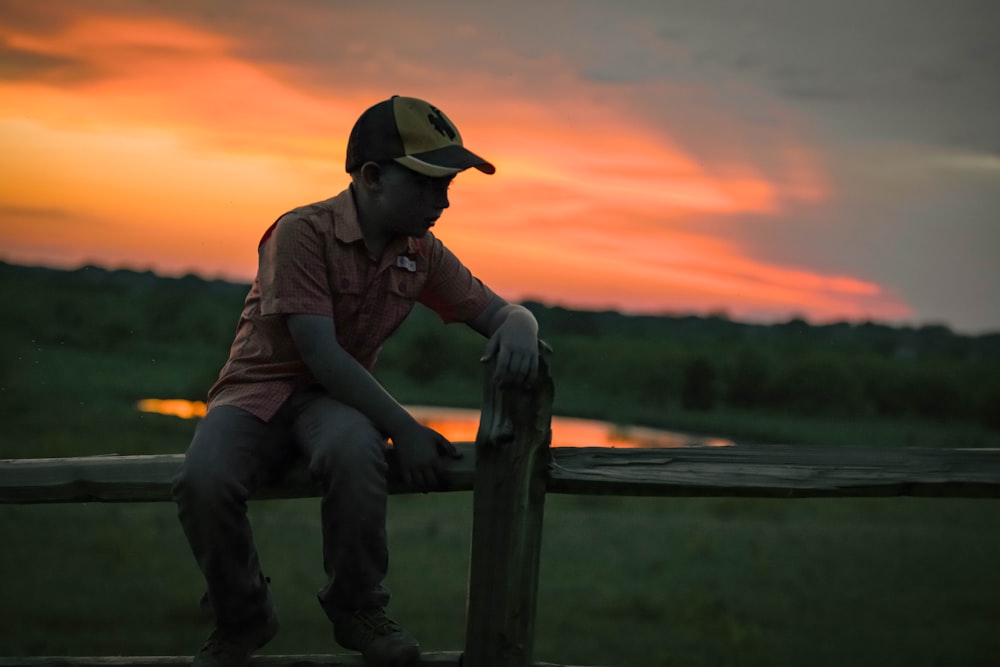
<point x="347" y="457"/>
<point x="231" y="455"/>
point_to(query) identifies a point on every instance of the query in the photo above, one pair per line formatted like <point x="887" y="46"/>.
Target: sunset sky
<point x="770" y="159"/>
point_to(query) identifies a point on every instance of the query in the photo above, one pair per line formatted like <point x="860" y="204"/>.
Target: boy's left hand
<point x="515" y="346"/>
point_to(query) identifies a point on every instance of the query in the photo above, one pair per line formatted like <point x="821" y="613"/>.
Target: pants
<point x="233" y="454"/>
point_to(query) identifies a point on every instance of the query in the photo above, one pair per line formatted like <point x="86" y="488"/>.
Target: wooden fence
<point x="510" y="469"/>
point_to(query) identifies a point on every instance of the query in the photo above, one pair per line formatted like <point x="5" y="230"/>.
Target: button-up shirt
<point x="314" y="260"/>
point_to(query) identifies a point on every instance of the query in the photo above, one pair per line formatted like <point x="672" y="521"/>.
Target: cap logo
<point x="440" y="124"/>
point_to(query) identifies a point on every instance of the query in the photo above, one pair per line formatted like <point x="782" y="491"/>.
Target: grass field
<point x="625" y="581"/>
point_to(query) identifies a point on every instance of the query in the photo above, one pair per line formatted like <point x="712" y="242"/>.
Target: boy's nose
<point x="441" y="198"/>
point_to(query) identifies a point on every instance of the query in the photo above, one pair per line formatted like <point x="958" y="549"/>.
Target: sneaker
<point x="226" y="648"/>
<point x="380" y="639"/>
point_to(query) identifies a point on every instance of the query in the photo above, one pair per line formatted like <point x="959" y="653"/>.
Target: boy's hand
<point x="420" y="454"/>
<point x="515" y="345"/>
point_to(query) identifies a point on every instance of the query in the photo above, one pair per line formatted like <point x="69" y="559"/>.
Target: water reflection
<point x="174" y="407"/>
<point x="461" y="425"/>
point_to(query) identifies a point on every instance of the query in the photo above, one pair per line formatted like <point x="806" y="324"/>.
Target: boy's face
<point x="410" y="203"/>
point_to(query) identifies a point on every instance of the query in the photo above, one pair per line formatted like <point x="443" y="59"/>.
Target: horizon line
<point x="707" y="314"/>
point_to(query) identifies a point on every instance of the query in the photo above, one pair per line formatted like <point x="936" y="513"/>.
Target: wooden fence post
<point x="512" y="457"/>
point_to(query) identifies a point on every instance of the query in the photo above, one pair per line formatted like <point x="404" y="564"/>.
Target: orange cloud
<point x="153" y="143"/>
<point x="136" y="75"/>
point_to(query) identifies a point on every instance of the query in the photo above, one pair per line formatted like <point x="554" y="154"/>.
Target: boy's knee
<point x="203" y="485"/>
<point x="357" y="447"/>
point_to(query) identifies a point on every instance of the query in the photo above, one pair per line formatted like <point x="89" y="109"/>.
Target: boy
<point x="334" y="280"/>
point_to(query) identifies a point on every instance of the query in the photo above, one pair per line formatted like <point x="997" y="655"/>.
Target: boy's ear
<point x="370" y="175"/>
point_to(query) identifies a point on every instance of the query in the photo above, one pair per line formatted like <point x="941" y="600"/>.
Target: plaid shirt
<point x="313" y="260"/>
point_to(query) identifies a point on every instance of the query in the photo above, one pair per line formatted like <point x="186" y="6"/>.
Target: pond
<point x="460" y="425"/>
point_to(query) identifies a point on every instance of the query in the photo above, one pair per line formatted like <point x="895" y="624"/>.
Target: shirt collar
<point x="347" y="227"/>
<point x="415" y="246"/>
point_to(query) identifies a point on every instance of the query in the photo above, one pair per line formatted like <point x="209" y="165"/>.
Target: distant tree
<point x="815" y="385"/>
<point x="560" y="321"/>
<point x="747" y="380"/>
<point x="699" y="386"/>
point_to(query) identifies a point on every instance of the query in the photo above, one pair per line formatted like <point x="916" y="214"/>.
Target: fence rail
<point x="763" y="471"/>
<point x="510" y="469"/>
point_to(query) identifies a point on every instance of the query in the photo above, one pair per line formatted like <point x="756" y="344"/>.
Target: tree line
<point x="603" y="362"/>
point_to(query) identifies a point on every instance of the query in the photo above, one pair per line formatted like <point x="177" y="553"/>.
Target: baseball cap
<point x="413" y="133"/>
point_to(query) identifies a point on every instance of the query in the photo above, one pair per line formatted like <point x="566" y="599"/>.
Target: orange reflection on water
<point x="174" y="407"/>
<point x="460" y="425"/>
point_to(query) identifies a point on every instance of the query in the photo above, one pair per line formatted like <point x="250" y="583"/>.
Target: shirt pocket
<point x="348" y="297"/>
<point x="405" y="284"/>
<point x="400" y="291"/>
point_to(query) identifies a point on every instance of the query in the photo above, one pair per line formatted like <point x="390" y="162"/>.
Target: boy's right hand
<point x="420" y="454"/>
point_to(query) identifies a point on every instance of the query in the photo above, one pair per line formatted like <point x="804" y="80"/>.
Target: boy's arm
<point x="512" y="334"/>
<point x="419" y="449"/>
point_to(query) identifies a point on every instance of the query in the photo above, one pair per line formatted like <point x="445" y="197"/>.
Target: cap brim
<point x="446" y="161"/>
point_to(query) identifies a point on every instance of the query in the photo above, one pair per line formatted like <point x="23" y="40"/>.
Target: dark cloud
<point x="7" y="211"/>
<point x="36" y="16"/>
<point x="812" y="92"/>
<point x="892" y="69"/>
<point x="12" y="217"/>
<point x="22" y="65"/>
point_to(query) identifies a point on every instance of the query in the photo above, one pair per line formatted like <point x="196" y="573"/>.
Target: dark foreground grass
<point x="626" y="581"/>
